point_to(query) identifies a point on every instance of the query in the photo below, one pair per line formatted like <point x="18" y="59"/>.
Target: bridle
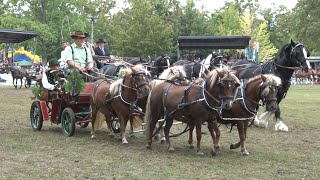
<point x="137" y="87"/>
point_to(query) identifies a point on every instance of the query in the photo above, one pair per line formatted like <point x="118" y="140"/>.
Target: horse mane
<point x="137" y="68"/>
<point x="212" y="77"/>
<point x="173" y="72"/>
<point x="115" y="87"/>
<point x="270" y="80"/>
<point x="170" y="73"/>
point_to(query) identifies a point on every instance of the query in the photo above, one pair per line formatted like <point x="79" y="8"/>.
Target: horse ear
<point x="292" y="43"/>
<point x="221" y="73"/>
<point x="264" y="77"/>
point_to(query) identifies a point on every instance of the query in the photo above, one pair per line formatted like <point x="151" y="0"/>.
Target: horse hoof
<point x="256" y="122"/>
<point x="171" y="149"/>
<point x="162" y="141"/>
<point x="148" y="146"/>
<point x="263" y="124"/>
<point x="93" y="136"/>
<point x="125" y="142"/>
<point x="245" y="153"/>
<point x="191" y="146"/>
<point x="213" y="152"/>
<point x="280" y="126"/>
<point x="232" y="146"/>
<point x="200" y="153"/>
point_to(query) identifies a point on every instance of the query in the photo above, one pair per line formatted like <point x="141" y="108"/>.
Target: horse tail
<point x="147" y="117"/>
<point x="136" y="121"/>
<point x="100" y="118"/>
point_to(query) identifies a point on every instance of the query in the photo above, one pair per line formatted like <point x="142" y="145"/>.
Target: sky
<point x="211" y="5"/>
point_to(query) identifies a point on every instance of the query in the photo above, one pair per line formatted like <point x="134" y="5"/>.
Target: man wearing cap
<point x="48" y="78"/>
<point x="77" y="55"/>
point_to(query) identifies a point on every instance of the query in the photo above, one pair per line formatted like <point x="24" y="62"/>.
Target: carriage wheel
<point x="115" y="125"/>
<point x="36" y="116"/>
<point x="68" y="121"/>
<point x="84" y="125"/>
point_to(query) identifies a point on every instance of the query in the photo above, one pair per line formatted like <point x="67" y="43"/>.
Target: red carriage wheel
<point x="68" y="121"/>
<point x="36" y="116"/>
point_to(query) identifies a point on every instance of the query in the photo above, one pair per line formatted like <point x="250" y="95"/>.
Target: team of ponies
<point x="214" y="94"/>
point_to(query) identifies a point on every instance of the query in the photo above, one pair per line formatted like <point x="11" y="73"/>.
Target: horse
<point x="290" y="58"/>
<point x="119" y="99"/>
<point x="158" y="65"/>
<point x="200" y="68"/>
<point x="18" y="73"/>
<point x="136" y="61"/>
<point x="249" y="93"/>
<point x="192" y="104"/>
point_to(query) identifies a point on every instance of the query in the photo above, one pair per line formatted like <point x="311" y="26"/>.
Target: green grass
<point x="48" y="154"/>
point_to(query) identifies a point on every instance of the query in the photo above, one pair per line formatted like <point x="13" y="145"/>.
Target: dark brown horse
<point x="193" y="104"/>
<point x="260" y="87"/>
<point x="18" y="73"/>
<point x="119" y="99"/>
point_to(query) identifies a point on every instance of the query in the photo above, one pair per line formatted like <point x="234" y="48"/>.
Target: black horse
<point x="139" y="60"/>
<point x="291" y="57"/>
<point x="158" y="65"/>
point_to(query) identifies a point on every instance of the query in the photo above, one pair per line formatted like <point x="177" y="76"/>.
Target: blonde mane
<point x="170" y="74"/>
<point x="270" y="80"/>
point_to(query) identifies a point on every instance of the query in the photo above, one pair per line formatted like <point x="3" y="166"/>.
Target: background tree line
<point x="150" y="27"/>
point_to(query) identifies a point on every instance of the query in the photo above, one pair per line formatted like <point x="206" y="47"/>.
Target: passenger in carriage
<point x="48" y="78"/>
<point x="88" y="44"/>
<point x="49" y="82"/>
<point x="77" y="55"/>
<point x="101" y="51"/>
<point x="62" y="60"/>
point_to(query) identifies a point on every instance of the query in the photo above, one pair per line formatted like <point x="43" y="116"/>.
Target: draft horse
<point x="119" y="99"/>
<point x="192" y="104"/>
<point x="292" y="56"/>
<point x="249" y="93"/>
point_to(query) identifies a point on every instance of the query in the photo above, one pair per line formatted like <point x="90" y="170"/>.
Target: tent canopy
<point x="13" y="36"/>
<point x="213" y="42"/>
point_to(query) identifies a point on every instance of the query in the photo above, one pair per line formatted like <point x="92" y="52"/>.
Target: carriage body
<point x="60" y="107"/>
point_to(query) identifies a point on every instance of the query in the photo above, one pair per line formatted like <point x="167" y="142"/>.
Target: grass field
<point x="48" y="154"/>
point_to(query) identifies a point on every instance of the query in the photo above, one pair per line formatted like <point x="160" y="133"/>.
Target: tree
<point x="266" y="49"/>
<point x="140" y="31"/>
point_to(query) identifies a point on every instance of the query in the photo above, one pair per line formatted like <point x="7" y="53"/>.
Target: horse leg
<point x="109" y="120"/>
<point x="20" y="83"/>
<point x="262" y="121"/>
<point x="93" y="120"/>
<point x="241" y="131"/>
<point x="149" y="131"/>
<point x="190" y="141"/>
<point x="279" y="126"/>
<point x="169" y="122"/>
<point x="123" y="124"/>
<point x="215" y="135"/>
<point x="198" y="131"/>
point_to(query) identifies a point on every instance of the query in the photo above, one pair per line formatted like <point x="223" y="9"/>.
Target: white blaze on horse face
<point x="305" y="53"/>
<point x="168" y="63"/>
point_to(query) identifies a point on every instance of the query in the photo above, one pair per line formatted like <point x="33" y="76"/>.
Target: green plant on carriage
<point x="75" y="83"/>
<point x="36" y="91"/>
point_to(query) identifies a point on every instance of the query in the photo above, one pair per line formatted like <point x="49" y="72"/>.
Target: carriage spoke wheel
<point x="36" y="116"/>
<point x="68" y="121"/>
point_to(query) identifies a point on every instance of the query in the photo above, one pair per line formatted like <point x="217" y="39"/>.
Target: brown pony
<point x="260" y="87"/>
<point x="16" y="74"/>
<point x="193" y="104"/>
<point x="119" y="99"/>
